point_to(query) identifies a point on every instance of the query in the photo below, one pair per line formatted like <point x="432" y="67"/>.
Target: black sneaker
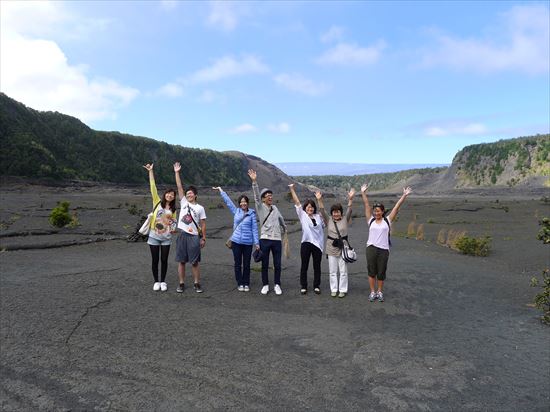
<point x="198" y="288"/>
<point x="317" y="291"/>
<point x="180" y="288"/>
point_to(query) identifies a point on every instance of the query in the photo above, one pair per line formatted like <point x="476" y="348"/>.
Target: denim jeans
<point x="241" y="258"/>
<point x="276" y="248"/>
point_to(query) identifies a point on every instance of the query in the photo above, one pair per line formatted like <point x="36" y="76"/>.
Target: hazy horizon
<point x="348" y="169"/>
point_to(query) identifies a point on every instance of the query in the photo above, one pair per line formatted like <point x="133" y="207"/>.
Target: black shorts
<point x="377" y="262"/>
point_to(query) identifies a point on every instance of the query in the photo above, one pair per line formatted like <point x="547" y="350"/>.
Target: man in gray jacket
<point x="272" y="229"/>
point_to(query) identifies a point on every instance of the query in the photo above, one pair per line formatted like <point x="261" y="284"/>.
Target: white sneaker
<point x="156" y="286"/>
<point x="278" y="290"/>
<point x="240" y="288"/>
<point x="265" y="290"/>
<point x="247" y="288"/>
<point x="163" y="286"/>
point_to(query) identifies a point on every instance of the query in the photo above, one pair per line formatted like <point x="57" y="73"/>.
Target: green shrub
<point x="59" y="215"/>
<point x="542" y="299"/>
<point x="474" y="246"/>
<point x="133" y="209"/>
<point x="544" y="232"/>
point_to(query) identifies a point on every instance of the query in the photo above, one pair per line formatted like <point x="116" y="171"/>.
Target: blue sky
<point x="361" y="82"/>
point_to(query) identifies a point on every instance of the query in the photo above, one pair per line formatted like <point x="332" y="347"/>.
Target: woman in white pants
<point x="337" y="229"/>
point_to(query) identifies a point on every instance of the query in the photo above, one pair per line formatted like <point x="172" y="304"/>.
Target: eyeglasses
<point x="314" y="222"/>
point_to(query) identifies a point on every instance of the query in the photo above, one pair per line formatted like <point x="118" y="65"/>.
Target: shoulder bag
<point x="146" y="227"/>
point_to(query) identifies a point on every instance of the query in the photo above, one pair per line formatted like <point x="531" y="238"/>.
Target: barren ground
<point x="82" y="329"/>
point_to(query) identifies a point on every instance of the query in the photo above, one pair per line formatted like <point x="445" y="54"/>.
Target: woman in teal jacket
<point x="244" y="237"/>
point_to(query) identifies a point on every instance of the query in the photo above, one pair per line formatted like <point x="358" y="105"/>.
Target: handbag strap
<point x="193" y="219"/>
<point x="338" y="231"/>
<point x="265" y="220"/>
<point x="238" y="224"/>
<point x="155" y="207"/>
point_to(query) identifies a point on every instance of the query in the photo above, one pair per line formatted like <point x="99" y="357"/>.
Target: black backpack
<point x="372" y="219"/>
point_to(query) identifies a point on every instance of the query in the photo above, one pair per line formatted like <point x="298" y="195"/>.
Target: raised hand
<point x="351" y="193"/>
<point x="177" y="167"/>
<point x="148" y="166"/>
<point x="291" y="186"/>
<point x="252" y="174"/>
<point x="407" y="191"/>
<point x="364" y="188"/>
<point x="217" y="188"/>
<point x="318" y="195"/>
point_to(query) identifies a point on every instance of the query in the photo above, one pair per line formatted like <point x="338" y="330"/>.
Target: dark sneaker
<point x="303" y="291"/>
<point x="317" y="291"/>
<point x="180" y="288"/>
<point x="198" y="288"/>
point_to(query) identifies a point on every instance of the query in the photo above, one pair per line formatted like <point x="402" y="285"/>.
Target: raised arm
<point x="255" y="189"/>
<point x="406" y="192"/>
<point x="294" y="195"/>
<point x="177" y="168"/>
<point x="153" y="186"/>
<point x="319" y="197"/>
<point x="351" y="195"/>
<point x="228" y="202"/>
<point x="368" y="211"/>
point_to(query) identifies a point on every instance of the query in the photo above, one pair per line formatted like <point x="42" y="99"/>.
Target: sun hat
<point x="265" y="191"/>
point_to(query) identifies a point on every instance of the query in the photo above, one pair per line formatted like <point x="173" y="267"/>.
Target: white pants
<point x="336" y="263"/>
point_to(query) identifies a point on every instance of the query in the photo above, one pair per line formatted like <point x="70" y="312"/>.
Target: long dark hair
<point x="172" y="204"/>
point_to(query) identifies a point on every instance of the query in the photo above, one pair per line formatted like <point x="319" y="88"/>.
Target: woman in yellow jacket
<point x="163" y="225"/>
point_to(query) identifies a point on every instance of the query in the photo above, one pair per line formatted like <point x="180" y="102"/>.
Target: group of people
<point x="245" y="241"/>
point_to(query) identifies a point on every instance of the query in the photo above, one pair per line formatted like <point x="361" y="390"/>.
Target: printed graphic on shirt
<point x="190" y="217"/>
<point x="165" y="222"/>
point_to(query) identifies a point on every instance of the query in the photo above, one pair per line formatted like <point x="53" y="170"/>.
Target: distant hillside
<point x="506" y="163"/>
<point x="56" y="146"/>
<point x="376" y="181"/>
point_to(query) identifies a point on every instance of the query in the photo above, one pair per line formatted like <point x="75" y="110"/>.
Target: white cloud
<point x="35" y="71"/>
<point x="169" y="4"/>
<point x="335" y="33"/>
<point x="48" y="20"/>
<point x="456" y="129"/>
<point x="347" y="54"/>
<point x="244" y="128"/>
<point x="521" y="43"/>
<point x="282" y="128"/>
<point x="228" y="66"/>
<point x="300" y="84"/>
<point x="209" y="96"/>
<point x="223" y="16"/>
<point x="170" y="90"/>
<point x="33" y="18"/>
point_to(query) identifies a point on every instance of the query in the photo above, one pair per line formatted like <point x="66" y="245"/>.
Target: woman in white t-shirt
<point x="313" y="237"/>
<point x="378" y="244"/>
